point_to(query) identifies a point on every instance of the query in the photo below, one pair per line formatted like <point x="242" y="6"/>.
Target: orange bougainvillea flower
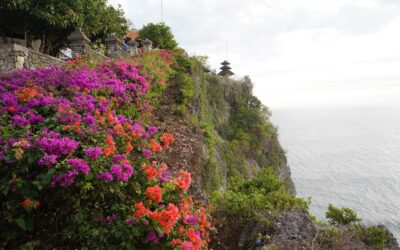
<point x="77" y="126"/>
<point x="109" y="151"/>
<point x="183" y="180"/>
<point x="118" y="129"/>
<point x="24" y="94"/>
<point x="110" y="141"/>
<point x="167" y="139"/>
<point x="176" y="242"/>
<point x="66" y="127"/>
<point x="150" y="171"/>
<point x="194" y="238"/>
<point x="154" y="193"/>
<point x="128" y="148"/>
<point x="127" y="126"/>
<point x="154" y="146"/>
<point x="26" y="202"/>
<point x="101" y="120"/>
<point x="36" y="204"/>
<point x="140" y="210"/>
<point x="11" y="109"/>
<point x="111" y="146"/>
<point x="167" y="217"/>
<point x="137" y="135"/>
<point x="110" y="118"/>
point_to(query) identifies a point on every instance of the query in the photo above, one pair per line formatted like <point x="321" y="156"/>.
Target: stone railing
<point x="14" y="56"/>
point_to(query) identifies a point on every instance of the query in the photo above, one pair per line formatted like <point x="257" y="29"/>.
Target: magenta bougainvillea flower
<point x="93" y="153"/>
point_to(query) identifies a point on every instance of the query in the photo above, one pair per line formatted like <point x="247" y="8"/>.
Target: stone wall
<point x="39" y="60"/>
<point x="14" y="56"/>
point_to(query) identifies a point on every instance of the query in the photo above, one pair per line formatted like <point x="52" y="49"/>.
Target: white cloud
<point x="298" y="52"/>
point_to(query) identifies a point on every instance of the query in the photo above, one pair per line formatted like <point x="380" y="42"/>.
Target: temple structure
<point x="225" y="70"/>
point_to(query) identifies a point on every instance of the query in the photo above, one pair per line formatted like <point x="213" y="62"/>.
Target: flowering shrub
<point x="78" y="164"/>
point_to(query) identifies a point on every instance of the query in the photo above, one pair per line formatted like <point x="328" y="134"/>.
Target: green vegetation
<point x="160" y="34"/>
<point x="58" y="19"/>
<point x="236" y="126"/>
<point x="377" y="236"/>
<point x="156" y="65"/>
<point x="351" y="238"/>
<point x="350" y="232"/>
<point x="249" y="196"/>
<point x="341" y="216"/>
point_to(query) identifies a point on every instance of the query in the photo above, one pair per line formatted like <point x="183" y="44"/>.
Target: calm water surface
<point x="348" y="156"/>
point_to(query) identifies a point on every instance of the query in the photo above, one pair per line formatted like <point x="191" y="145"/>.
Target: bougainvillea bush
<point x="80" y="168"/>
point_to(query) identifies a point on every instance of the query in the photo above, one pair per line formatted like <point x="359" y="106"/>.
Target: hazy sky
<point x="297" y="52"/>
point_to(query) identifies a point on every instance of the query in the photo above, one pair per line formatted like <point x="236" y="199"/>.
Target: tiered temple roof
<point x="225" y="69"/>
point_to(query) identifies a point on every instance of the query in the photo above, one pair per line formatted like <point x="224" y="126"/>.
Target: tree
<point x="160" y="34"/>
<point x="52" y="21"/>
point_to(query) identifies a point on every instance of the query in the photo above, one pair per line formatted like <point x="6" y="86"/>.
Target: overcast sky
<point x="297" y="52"/>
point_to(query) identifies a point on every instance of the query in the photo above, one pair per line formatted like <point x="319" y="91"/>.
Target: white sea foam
<point x="348" y="156"/>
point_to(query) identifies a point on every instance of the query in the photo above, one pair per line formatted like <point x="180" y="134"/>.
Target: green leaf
<point x="21" y="223"/>
<point x="31" y="159"/>
<point x="46" y="109"/>
<point x="4" y="189"/>
<point x="87" y="186"/>
<point x="89" y="176"/>
<point x="38" y="184"/>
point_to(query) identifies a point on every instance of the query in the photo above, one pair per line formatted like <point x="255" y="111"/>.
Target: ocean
<point x="347" y="156"/>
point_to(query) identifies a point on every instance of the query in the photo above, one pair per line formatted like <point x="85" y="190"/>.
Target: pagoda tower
<point x="225" y="69"/>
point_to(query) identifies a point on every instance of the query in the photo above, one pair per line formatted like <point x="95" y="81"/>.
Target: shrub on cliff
<point x="79" y="165"/>
<point x="341" y="216"/>
<point x="247" y="196"/>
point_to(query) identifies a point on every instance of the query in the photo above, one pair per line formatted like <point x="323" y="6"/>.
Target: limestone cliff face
<point x="222" y="106"/>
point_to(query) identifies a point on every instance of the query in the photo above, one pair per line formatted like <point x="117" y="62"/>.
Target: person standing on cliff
<point x="65" y="52"/>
